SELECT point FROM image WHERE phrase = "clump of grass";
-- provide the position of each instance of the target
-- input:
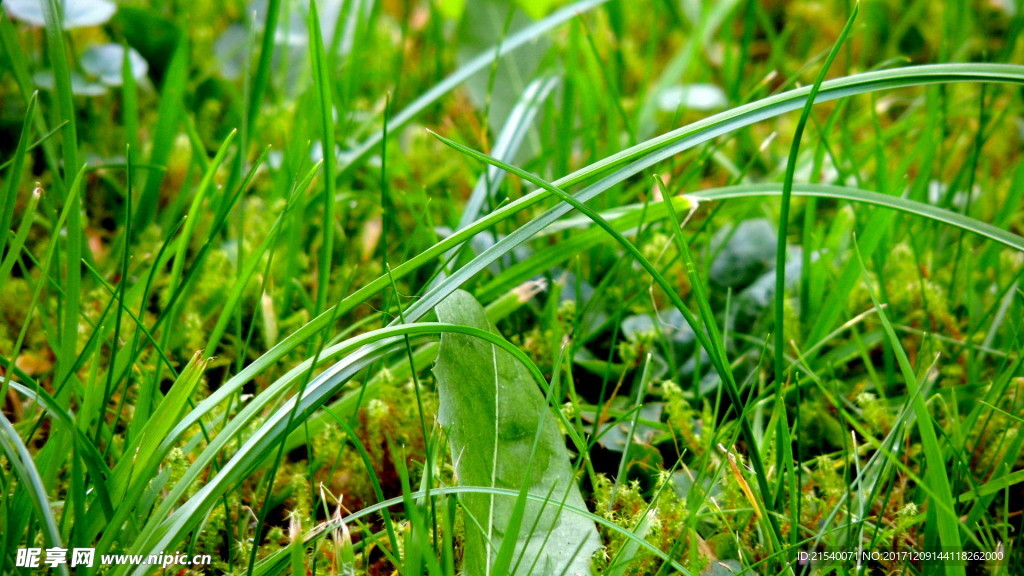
(216, 288)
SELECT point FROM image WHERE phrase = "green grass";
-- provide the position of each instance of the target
(759, 333)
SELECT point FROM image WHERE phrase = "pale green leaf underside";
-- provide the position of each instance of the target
(491, 407)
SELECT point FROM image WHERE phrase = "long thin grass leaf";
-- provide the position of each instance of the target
(947, 525)
(21, 461)
(787, 191)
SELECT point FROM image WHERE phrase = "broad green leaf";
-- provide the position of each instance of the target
(492, 410)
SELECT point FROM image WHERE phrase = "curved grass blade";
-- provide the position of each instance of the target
(628, 217)
(53, 456)
(905, 205)
(25, 470)
(87, 450)
(993, 486)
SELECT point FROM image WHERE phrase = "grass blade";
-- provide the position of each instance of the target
(947, 525)
(787, 191)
